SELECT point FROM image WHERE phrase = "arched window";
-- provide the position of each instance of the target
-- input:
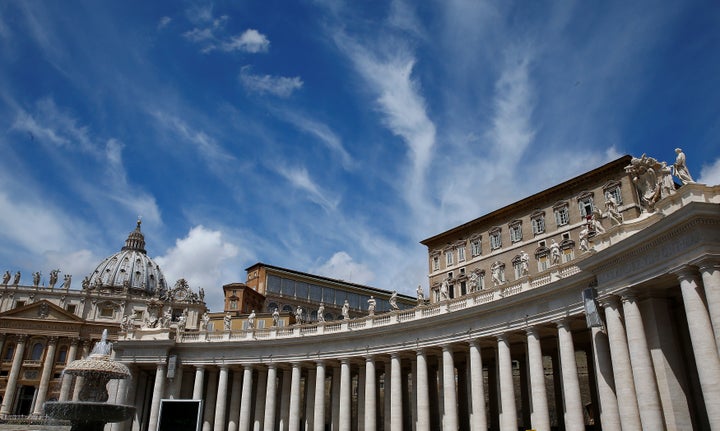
(37, 351)
(9, 351)
(287, 308)
(272, 306)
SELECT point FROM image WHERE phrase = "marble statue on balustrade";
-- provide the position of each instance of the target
(125, 324)
(473, 281)
(182, 321)
(53, 278)
(611, 207)
(166, 318)
(321, 313)
(554, 252)
(420, 295)
(524, 263)
(298, 315)
(371, 306)
(67, 280)
(36, 278)
(16, 280)
(346, 310)
(227, 321)
(496, 270)
(680, 168)
(6, 278)
(594, 221)
(275, 317)
(205, 321)
(393, 301)
(251, 320)
(584, 236)
(445, 289)
(651, 181)
(86, 283)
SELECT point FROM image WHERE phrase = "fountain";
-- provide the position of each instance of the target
(91, 412)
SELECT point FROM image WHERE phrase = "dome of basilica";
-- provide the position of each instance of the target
(130, 268)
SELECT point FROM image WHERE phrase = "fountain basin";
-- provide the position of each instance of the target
(88, 416)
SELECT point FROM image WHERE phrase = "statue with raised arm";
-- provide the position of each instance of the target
(6, 278)
(680, 168)
(53, 278)
(371, 306)
(393, 301)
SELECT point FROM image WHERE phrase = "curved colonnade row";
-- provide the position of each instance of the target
(459, 369)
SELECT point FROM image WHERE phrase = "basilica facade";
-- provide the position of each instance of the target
(594, 304)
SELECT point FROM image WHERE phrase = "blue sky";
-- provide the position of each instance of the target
(326, 136)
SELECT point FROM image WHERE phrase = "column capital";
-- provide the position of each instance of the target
(628, 295)
(474, 343)
(22, 338)
(52, 340)
(447, 348)
(370, 358)
(345, 361)
(609, 301)
(502, 337)
(532, 331)
(563, 323)
(709, 264)
(686, 272)
(200, 367)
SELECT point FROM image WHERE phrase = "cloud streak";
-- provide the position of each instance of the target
(280, 86)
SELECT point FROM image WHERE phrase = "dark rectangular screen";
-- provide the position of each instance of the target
(179, 415)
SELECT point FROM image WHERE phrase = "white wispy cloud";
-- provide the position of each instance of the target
(300, 179)
(710, 174)
(399, 98)
(249, 41)
(164, 22)
(280, 86)
(48, 123)
(342, 266)
(321, 131)
(205, 258)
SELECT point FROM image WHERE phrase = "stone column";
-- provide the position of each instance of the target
(156, 396)
(622, 370)
(11, 386)
(235, 391)
(360, 412)
(508, 411)
(703, 344)
(221, 399)
(294, 419)
(67, 378)
(710, 271)
(246, 399)
(539, 412)
(369, 406)
(319, 414)
(574, 420)
(450, 419)
(643, 371)
(210, 401)
(345, 407)
(335, 400)
(80, 379)
(270, 398)
(423, 399)
(609, 414)
(310, 400)
(198, 383)
(284, 391)
(396, 413)
(45, 376)
(478, 417)
(260, 399)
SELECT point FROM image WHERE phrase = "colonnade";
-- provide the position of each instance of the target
(635, 378)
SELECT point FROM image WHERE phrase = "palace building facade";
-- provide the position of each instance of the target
(594, 304)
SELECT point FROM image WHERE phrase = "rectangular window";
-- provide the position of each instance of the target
(518, 270)
(288, 287)
(516, 233)
(273, 283)
(562, 216)
(448, 258)
(481, 281)
(543, 263)
(19, 304)
(70, 308)
(476, 248)
(495, 240)
(107, 311)
(586, 206)
(461, 254)
(436, 263)
(615, 193)
(568, 255)
(315, 293)
(301, 290)
(538, 224)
